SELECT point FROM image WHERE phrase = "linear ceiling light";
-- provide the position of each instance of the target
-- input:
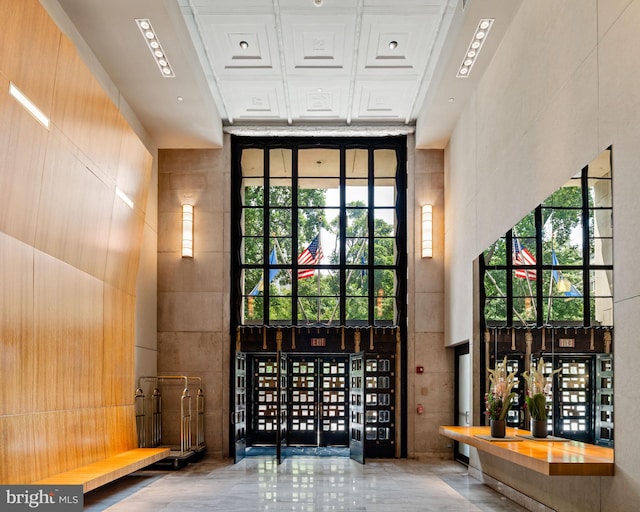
(154, 46)
(29, 105)
(482, 31)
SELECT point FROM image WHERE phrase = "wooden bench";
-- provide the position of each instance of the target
(549, 456)
(107, 470)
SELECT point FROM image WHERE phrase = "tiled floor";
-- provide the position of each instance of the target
(301, 484)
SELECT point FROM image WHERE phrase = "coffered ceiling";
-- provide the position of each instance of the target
(304, 65)
(345, 60)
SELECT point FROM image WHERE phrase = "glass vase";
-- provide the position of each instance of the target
(539, 428)
(498, 428)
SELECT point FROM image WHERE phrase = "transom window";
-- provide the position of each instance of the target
(320, 231)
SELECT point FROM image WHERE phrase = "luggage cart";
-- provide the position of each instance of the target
(150, 417)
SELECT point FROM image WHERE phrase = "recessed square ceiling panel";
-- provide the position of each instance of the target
(402, 44)
(318, 44)
(384, 101)
(203, 7)
(319, 100)
(245, 100)
(234, 46)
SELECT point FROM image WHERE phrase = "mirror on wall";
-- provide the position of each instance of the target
(547, 293)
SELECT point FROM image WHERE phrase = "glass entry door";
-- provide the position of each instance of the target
(317, 401)
(299, 401)
(303, 402)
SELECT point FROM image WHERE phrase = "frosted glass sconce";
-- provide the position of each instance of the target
(187, 231)
(427, 231)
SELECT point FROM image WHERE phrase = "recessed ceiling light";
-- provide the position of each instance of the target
(180, 98)
(317, 3)
(244, 45)
(451, 100)
(478, 39)
(393, 44)
(154, 46)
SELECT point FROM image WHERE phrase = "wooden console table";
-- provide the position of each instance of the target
(548, 456)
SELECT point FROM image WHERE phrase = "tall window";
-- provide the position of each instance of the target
(320, 228)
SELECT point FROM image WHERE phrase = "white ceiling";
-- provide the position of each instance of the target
(306, 67)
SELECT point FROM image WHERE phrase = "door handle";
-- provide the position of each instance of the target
(466, 417)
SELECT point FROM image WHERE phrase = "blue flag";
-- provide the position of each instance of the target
(562, 283)
(273, 272)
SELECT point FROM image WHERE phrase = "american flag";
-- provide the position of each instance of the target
(310, 256)
(521, 256)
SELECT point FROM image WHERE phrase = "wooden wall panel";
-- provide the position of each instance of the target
(84, 113)
(35, 446)
(119, 347)
(134, 169)
(18, 444)
(120, 424)
(68, 336)
(16, 326)
(29, 42)
(79, 231)
(22, 150)
(125, 241)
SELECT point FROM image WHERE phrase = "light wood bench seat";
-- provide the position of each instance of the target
(107, 470)
(547, 456)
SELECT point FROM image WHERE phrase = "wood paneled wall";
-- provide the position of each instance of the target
(69, 252)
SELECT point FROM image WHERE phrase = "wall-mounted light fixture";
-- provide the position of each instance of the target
(427, 231)
(187, 231)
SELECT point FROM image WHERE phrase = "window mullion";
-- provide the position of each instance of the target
(370, 235)
(294, 235)
(265, 236)
(343, 234)
(586, 284)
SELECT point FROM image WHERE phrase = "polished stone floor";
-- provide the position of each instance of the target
(309, 484)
